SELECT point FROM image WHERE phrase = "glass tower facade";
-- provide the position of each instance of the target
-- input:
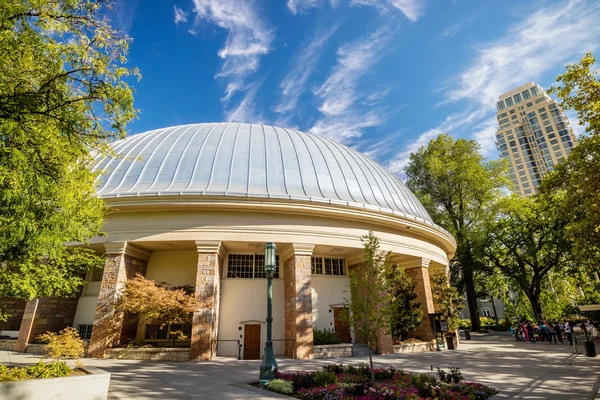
(533, 134)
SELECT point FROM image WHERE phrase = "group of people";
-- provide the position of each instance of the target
(555, 332)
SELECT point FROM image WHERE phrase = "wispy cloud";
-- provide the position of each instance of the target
(539, 43)
(542, 41)
(294, 83)
(412, 9)
(180, 15)
(248, 39)
(453, 122)
(245, 111)
(453, 29)
(342, 116)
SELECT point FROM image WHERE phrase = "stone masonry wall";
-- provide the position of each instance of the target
(108, 324)
(332, 351)
(420, 276)
(205, 320)
(298, 306)
(15, 308)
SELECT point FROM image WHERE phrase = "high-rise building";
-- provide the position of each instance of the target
(533, 134)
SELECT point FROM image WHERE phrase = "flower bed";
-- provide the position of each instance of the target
(354, 382)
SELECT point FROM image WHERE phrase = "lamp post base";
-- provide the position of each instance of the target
(268, 368)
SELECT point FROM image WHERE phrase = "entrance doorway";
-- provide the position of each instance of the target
(252, 342)
(341, 327)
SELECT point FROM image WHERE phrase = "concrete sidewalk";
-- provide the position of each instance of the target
(519, 370)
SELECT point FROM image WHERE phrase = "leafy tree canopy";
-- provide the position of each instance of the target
(459, 190)
(63, 93)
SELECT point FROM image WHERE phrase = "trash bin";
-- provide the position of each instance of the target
(467, 334)
(451, 341)
(590, 348)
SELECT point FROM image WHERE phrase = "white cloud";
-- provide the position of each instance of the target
(412, 9)
(180, 15)
(452, 122)
(245, 111)
(248, 38)
(342, 117)
(294, 83)
(541, 42)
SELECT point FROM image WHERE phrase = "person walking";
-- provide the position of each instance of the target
(559, 332)
(584, 330)
(525, 331)
(551, 332)
(544, 336)
(530, 332)
(569, 330)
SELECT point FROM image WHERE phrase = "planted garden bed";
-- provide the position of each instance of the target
(354, 382)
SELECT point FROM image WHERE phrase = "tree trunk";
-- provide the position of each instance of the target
(371, 364)
(535, 305)
(471, 297)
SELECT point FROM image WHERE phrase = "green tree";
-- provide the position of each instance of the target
(368, 305)
(527, 243)
(404, 313)
(447, 299)
(576, 179)
(460, 190)
(63, 94)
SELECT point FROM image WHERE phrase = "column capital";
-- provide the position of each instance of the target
(119, 248)
(419, 262)
(211, 246)
(297, 249)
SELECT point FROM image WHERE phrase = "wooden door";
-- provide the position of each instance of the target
(252, 342)
(342, 329)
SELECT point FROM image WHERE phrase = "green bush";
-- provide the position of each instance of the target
(464, 324)
(40, 370)
(280, 386)
(325, 336)
(325, 378)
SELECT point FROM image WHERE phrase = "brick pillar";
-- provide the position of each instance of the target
(385, 344)
(205, 323)
(418, 271)
(27, 323)
(123, 262)
(298, 300)
(15, 308)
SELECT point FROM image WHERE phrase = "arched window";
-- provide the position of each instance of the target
(486, 312)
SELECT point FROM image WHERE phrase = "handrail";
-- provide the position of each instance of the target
(239, 346)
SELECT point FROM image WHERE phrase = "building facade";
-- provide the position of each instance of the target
(194, 205)
(533, 134)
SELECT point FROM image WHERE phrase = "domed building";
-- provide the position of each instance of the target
(194, 205)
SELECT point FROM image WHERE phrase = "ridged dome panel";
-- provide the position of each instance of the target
(232, 159)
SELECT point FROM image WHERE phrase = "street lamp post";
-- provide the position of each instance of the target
(268, 368)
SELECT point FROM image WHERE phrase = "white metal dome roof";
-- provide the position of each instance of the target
(233, 159)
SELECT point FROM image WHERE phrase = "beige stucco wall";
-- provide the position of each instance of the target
(245, 300)
(86, 311)
(177, 268)
(327, 291)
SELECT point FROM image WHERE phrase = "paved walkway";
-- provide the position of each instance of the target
(518, 370)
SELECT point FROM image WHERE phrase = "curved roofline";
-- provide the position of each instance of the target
(396, 220)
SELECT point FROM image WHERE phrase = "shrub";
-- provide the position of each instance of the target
(65, 344)
(40, 370)
(325, 378)
(452, 376)
(325, 336)
(280, 386)
(300, 379)
(464, 324)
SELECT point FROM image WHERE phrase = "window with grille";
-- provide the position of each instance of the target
(249, 266)
(328, 266)
(85, 331)
(97, 274)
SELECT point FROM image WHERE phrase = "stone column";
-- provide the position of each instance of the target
(205, 322)
(385, 344)
(26, 325)
(298, 323)
(123, 262)
(418, 271)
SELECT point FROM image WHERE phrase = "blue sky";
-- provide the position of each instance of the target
(382, 76)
